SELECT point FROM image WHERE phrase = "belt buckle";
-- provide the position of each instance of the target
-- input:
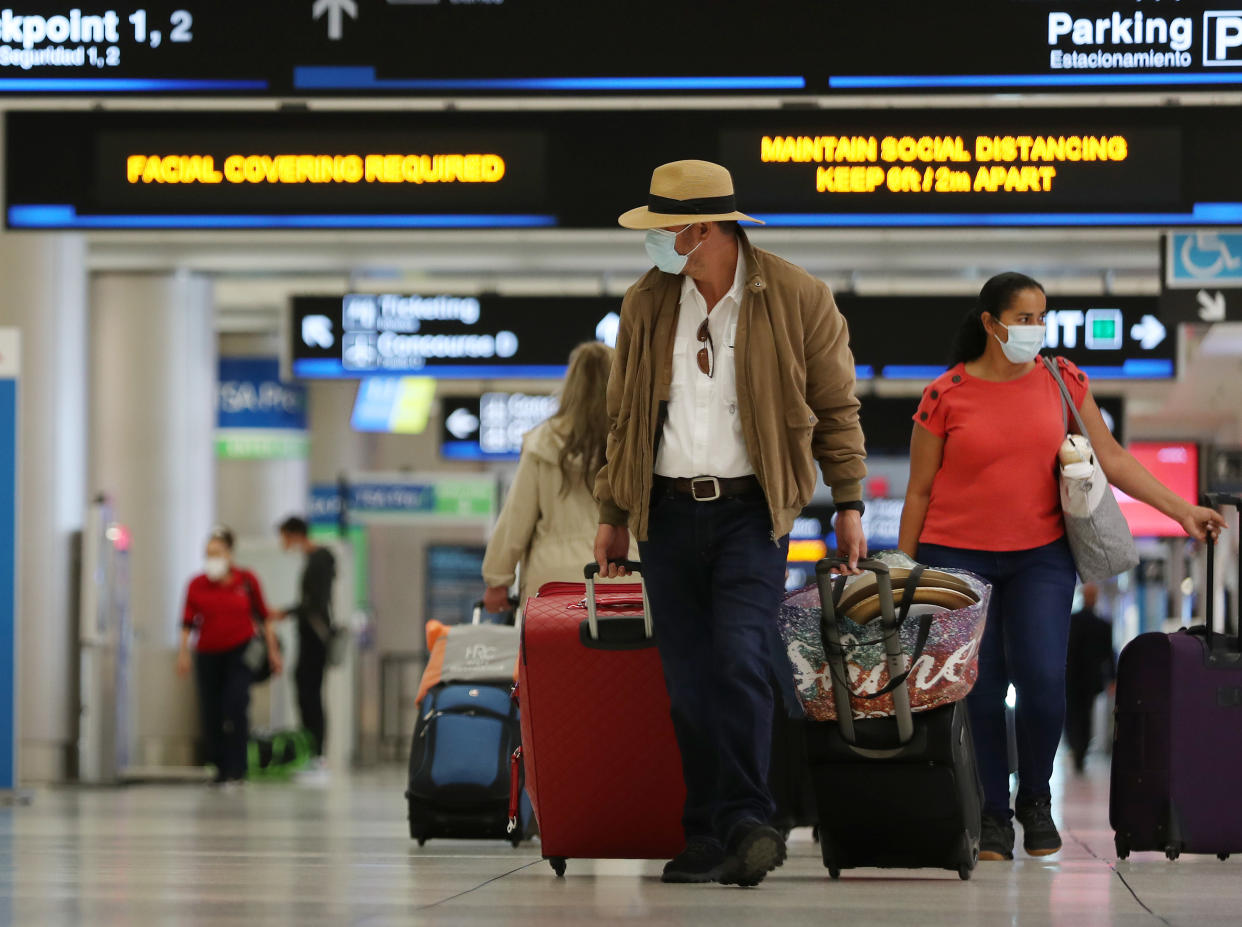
(712, 481)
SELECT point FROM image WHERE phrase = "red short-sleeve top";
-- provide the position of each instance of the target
(996, 488)
(224, 612)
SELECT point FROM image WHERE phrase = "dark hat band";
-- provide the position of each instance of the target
(703, 206)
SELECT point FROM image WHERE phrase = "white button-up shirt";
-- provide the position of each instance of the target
(703, 431)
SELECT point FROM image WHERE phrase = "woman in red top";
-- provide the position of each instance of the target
(222, 605)
(984, 497)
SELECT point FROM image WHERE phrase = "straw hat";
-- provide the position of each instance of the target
(683, 192)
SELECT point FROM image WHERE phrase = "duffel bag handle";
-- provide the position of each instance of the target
(835, 653)
(590, 571)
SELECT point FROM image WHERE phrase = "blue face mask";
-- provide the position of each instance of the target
(661, 248)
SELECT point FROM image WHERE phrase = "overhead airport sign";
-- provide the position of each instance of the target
(259, 417)
(385, 334)
(1203, 259)
(1109, 337)
(1203, 306)
(831, 168)
(491, 426)
(405, 498)
(337, 47)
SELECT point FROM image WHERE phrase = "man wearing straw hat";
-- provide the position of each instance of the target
(732, 377)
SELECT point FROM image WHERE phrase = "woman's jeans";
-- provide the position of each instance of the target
(224, 704)
(1024, 644)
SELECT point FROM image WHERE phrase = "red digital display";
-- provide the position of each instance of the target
(1176, 465)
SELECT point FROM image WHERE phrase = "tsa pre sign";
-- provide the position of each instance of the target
(259, 417)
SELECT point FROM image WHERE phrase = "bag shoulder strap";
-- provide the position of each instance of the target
(256, 614)
(1067, 401)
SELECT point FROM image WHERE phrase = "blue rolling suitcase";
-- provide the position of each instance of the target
(460, 764)
(465, 763)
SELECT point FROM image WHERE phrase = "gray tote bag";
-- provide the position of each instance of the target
(1097, 532)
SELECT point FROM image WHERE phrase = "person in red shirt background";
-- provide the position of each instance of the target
(984, 496)
(223, 605)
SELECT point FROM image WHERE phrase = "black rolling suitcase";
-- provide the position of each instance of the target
(1177, 738)
(893, 792)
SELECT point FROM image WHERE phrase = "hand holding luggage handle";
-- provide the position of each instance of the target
(590, 571)
(897, 672)
(476, 614)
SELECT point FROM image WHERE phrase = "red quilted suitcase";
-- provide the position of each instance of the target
(602, 766)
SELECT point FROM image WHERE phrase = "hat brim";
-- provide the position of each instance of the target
(643, 218)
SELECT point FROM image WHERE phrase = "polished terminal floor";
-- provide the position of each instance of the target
(304, 855)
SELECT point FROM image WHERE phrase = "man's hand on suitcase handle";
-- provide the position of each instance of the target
(612, 542)
(851, 541)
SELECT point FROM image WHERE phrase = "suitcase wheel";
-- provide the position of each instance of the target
(1172, 852)
(422, 841)
(516, 840)
(964, 871)
(1222, 856)
(558, 865)
(1122, 844)
(834, 872)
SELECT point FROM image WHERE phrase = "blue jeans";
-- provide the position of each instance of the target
(224, 706)
(715, 580)
(1024, 644)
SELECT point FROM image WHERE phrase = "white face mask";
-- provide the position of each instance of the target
(216, 568)
(661, 247)
(1025, 342)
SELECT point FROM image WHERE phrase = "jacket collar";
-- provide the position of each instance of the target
(754, 277)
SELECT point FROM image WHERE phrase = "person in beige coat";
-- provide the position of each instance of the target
(549, 518)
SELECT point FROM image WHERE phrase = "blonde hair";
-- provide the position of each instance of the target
(584, 412)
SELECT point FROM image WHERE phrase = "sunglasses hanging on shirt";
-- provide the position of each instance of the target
(707, 353)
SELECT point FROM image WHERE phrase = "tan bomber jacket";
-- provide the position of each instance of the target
(795, 391)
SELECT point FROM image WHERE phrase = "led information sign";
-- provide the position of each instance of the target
(452, 47)
(368, 334)
(1058, 167)
(491, 426)
(1028, 167)
(1109, 337)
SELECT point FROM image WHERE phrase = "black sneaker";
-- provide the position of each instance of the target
(996, 841)
(698, 862)
(754, 850)
(1039, 833)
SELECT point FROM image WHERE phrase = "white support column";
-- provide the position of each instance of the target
(153, 420)
(44, 295)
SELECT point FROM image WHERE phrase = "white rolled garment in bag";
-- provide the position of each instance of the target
(1083, 483)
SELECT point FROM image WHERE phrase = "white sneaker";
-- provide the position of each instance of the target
(315, 772)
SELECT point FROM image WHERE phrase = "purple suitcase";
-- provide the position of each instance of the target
(1177, 747)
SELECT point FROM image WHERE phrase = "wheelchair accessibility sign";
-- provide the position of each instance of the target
(1194, 259)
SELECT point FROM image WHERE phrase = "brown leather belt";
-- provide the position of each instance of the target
(709, 488)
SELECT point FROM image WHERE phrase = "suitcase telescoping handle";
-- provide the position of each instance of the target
(835, 653)
(1215, 500)
(590, 571)
(476, 614)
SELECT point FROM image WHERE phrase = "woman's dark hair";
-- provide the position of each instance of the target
(996, 296)
(223, 534)
(294, 526)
